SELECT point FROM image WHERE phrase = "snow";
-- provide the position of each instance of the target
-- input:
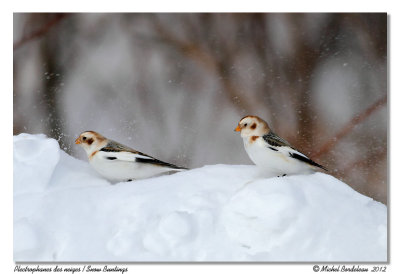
(64, 211)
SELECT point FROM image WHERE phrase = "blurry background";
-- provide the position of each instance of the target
(175, 85)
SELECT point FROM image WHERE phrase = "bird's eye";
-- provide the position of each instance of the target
(83, 138)
(245, 125)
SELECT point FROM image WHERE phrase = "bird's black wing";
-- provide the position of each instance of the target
(275, 141)
(113, 146)
(157, 162)
(306, 160)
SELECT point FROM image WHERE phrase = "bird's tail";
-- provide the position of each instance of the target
(160, 163)
(178, 168)
(307, 160)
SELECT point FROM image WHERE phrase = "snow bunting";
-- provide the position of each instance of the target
(270, 152)
(117, 162)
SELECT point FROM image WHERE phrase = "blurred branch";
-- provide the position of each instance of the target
(40, 32)
(364, 162)
(372, 28)
(188, 49)
(349, 127)
(209, 62)
(302, 66)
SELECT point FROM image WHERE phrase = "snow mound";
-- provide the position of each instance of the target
(63, 211)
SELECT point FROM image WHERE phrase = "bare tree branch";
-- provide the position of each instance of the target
(40, 32)
(208, 61)
(349, 127)
(363, 162)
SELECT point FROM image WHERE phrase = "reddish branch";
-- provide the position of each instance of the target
(355, 121)
(43, 30)
(363, 162)
(207, 60)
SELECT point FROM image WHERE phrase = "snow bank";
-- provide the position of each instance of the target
(63, 211)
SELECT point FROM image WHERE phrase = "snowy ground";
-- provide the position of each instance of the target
(63, 211)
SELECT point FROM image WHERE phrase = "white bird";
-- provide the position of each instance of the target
(271, 153)
(117, 162)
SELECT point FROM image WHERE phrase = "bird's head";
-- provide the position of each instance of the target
(90, 141)
(252, 126)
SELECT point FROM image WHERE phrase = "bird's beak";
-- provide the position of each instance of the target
(78, 141)
(238, 128)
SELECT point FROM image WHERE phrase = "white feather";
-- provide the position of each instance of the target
(122, 155)
(120, 165)
(274, 162)
(124, 167)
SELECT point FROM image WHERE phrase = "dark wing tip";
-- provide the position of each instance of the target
(116, 147)
(157, 162)
(306, 160)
